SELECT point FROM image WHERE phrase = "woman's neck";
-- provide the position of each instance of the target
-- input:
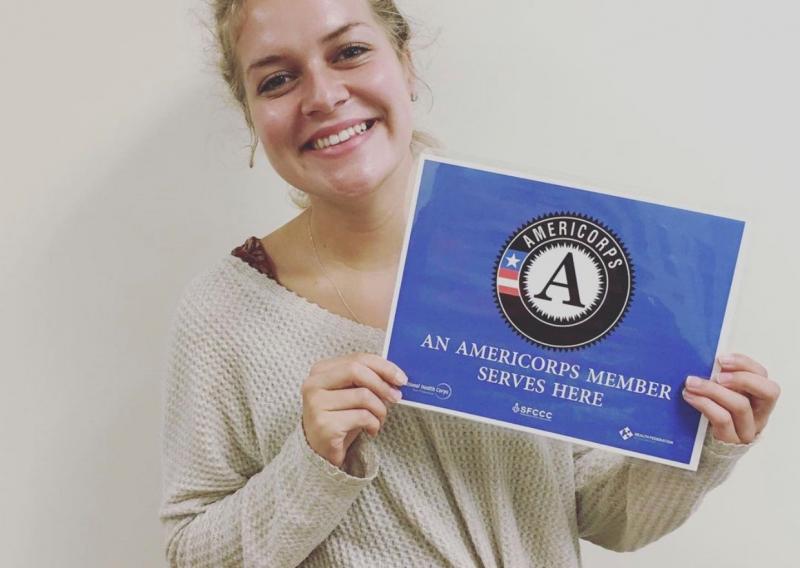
(364, 235)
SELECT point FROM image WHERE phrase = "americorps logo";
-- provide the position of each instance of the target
(563, 281)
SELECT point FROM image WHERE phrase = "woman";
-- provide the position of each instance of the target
(278, 408)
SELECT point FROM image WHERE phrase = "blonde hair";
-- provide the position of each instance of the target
(228, 18)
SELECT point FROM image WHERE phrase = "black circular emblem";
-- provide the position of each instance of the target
(563, 280)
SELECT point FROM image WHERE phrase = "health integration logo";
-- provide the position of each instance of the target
(563, 281)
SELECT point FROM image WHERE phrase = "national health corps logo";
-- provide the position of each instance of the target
(563, 281)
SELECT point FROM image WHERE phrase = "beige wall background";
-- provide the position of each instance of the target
(124, 172)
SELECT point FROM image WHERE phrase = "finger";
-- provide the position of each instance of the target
(351, 436)
(349, 374)
(736, 404)
(349, 399)
(384, 368)
(739, 362)
(763, 391)
(357, 419)
(719, 418)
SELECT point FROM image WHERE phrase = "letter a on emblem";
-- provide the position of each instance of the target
(568, 264)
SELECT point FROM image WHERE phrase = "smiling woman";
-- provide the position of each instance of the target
(279, 409)
(312, 71)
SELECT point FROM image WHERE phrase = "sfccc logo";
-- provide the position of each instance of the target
(563, 281)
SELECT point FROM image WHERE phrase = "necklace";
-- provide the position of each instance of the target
(325, 272)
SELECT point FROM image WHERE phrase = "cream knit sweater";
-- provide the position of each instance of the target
(243, 488)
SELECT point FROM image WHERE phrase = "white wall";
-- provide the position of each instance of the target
(124, 173)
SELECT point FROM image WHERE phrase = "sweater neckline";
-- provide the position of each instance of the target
(292, 297)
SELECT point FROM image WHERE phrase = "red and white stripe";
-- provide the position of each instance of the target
(508, 282)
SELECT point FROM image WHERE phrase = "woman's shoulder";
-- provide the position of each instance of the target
(225, 287)
(281, 252)
(247, 278)
(254, 252)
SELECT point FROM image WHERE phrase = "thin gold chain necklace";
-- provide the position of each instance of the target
(325, 272)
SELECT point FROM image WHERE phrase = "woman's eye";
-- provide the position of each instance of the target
(351, 51)
(273, 83)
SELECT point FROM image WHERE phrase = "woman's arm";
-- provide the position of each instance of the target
(624, 503)
(223, 505)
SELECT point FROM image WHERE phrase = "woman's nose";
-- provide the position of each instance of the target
(325, 91)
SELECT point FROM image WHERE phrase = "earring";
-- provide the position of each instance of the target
(414, 97)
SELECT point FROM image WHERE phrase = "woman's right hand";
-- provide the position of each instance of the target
(345, 395)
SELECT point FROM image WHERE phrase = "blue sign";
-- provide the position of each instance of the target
(570, 313)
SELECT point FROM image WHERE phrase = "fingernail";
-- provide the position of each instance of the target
(694, 382)
(402, 378)
(396, 395)
(725, 378)
(726, 360)
(686, 394)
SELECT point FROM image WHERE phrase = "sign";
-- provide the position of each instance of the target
(564, 311)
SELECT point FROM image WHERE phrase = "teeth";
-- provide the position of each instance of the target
(343, 136)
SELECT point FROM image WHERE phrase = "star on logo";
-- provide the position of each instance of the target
(512, 261)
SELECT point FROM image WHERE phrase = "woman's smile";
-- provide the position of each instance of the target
(341, 139)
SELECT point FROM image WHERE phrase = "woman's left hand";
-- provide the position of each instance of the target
(739, 404)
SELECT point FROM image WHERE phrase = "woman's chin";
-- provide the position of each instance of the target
(359, 176)
(351, 184)
(350, 190)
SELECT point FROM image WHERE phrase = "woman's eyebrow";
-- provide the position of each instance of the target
(270, 59)
(340, 31)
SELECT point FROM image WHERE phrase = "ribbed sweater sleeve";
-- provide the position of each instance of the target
(625, 503)
(225, 503)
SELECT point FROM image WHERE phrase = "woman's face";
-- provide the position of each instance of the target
(328, 95)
